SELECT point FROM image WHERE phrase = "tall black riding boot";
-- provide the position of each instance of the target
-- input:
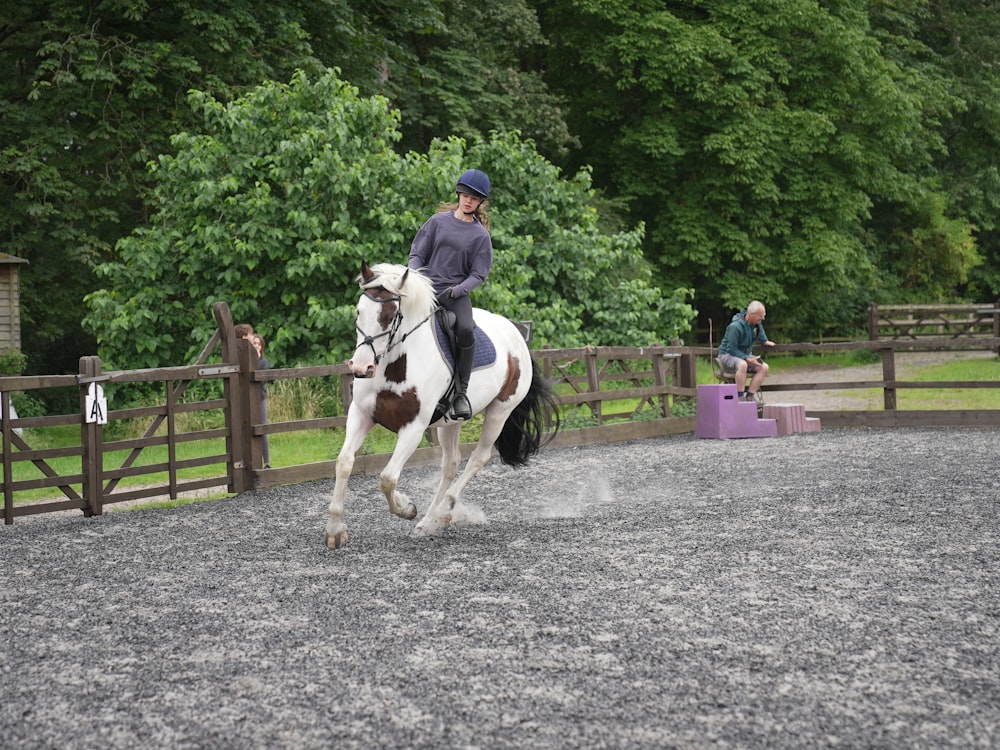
(460, 406)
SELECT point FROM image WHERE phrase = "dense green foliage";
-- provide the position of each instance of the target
(93, 90)
(90, 92)
(964, 38)
(273, 206)
(782, 150)
(817, 155)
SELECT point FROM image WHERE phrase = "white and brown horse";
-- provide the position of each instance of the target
(402, 371)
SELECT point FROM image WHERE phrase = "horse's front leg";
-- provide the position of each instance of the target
(406, 442)
(358, 426)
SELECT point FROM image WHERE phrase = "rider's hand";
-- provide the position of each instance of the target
(445, 295)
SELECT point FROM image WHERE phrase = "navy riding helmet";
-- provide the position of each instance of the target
(475, 183)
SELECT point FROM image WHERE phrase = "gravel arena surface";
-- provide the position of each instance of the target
(831, 589)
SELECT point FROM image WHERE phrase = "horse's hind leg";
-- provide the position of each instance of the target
(441, 512)
(448, 435)
(437, 515)
(482, 454)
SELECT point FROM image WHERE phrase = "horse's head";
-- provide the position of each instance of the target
(390, 294)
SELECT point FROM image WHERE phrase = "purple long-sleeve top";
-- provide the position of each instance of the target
(455, 254)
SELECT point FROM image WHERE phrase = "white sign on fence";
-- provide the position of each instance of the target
(97, 406)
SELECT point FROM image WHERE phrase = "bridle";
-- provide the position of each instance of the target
(393, 328)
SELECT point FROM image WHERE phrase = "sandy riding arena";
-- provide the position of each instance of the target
(838, 589)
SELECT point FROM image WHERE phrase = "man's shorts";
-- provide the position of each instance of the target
(732, 362)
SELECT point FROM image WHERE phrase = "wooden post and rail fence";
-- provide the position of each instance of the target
(921, 322)
(604, 395)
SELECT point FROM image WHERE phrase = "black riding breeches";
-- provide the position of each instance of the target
(462, 307)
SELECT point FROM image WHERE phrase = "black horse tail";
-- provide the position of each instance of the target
(521, 436)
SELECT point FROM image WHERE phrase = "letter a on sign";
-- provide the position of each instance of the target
(97, 405)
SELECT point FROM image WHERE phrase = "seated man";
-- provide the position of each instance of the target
(736, 349)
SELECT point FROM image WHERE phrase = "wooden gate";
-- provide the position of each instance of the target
(915, 322)
(86, 475)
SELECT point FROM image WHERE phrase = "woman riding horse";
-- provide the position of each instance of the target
(401, 375)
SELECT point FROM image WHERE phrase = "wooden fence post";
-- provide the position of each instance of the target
(243, 419)
(169, 408)
(593, 382)
(8, 465)
(889, 374)
(660, 380)
(685, 368)
(547, 377)
(872, 321)
(91, 440)
(235, 423)
(346, 390)
(252, 407)
(996, 323)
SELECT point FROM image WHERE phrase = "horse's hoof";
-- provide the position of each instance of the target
(410, 513)
(336, 541)
(432, 525)
(426, 529)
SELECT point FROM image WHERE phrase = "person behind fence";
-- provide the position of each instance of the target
(242, 330)
(454, 249)
(262, 364)
(736, 349)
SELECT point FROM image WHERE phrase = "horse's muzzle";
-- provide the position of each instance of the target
(365, 373)
(362, 373)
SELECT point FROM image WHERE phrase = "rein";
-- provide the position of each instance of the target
(393, 329)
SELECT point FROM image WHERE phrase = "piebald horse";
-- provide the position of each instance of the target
(403, 369)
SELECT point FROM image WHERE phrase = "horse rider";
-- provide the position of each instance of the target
(454, 249)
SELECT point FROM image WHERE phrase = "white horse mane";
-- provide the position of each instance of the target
(416, 294)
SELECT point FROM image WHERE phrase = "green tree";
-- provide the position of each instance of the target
(282, 193)
(772, 148)
(919, 235)
(471, 74)
(90, 92)
(93, 90)
(556, 265)
(964, 37)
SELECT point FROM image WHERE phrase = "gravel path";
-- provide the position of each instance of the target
(837, 589)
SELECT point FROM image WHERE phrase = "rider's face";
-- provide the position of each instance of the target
(469, 203)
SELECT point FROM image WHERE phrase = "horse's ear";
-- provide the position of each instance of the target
(366, 272)
(403, 278)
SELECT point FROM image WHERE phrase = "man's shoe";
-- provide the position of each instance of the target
(460, 407)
